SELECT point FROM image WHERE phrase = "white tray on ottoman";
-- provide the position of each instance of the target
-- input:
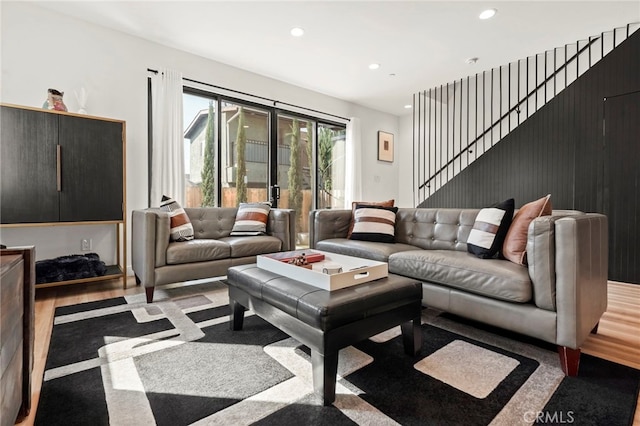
(355, 270)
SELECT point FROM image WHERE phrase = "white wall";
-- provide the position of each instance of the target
(42, 49)
(404, 153)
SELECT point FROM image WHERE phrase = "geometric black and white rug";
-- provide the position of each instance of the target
(176, 362)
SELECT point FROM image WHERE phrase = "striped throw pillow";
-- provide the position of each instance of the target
(251, 219)
(181, 227)
(354, 204)
(374, 223)
(489, 230)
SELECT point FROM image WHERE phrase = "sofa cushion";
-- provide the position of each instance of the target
(435, 229)
(495, 278)
(198, 250)
(251, 219)
(374, 223)
(491, 225)
(212, 222)
(365, 249)
(251, 246)
(515, 243)
(180, 225)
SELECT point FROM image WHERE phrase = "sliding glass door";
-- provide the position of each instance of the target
(331, 166)
(244, 154)
(295, 177)
(200, 150)
(235, 151)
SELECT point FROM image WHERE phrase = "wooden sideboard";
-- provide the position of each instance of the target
(17, 269)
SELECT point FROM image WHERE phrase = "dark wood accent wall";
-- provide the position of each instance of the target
(560, 150)
(622, 182)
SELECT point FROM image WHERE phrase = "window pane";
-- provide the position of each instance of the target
(237, 168)
(331, 166)
(295, 162)
(200, 150)
(245, 154)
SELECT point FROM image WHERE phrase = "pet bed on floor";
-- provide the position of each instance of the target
(72, 267)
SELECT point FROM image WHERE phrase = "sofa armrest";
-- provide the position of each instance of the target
(328, 223)
(581, 276)
(149, 241)
(282, 224)
(541, 257)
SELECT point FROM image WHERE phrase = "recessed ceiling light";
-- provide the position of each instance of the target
(374, 66)
(489, 13)
(471, 61)
(297, 32)
(392, 74)
(408, 106)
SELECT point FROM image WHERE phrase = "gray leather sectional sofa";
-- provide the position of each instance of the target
(156, 260)
(558, 298)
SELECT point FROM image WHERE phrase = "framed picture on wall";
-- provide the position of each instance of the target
(385, 146)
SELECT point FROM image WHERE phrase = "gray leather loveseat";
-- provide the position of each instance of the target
(157, 260)
(558, 298)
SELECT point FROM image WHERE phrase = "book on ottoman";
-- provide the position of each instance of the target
(290, 256)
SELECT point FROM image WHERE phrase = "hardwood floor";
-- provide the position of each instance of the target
(618, 337)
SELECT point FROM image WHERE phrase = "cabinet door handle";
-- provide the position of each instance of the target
(59, 167)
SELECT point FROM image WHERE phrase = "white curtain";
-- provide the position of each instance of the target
(353, 184)
(167, 160)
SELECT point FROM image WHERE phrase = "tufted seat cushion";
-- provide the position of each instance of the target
(493, 278)
(197, 250)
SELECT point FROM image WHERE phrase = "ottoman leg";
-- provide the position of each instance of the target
(412, 336)
(325, 368)
(237, 315)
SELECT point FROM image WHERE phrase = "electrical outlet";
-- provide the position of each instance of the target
(86, 244)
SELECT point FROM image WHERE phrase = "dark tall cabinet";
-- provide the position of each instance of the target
(62, 168)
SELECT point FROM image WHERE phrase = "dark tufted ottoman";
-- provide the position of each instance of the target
(327, 321)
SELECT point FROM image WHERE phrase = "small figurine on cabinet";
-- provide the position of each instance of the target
(54, 100)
